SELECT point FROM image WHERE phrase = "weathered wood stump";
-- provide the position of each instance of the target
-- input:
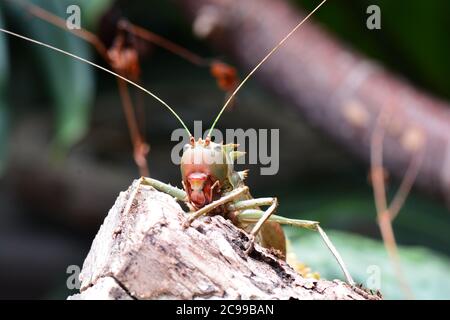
(142, 252)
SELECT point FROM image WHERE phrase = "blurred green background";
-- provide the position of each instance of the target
(65, 153)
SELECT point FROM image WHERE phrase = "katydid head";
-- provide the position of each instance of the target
(205, 169)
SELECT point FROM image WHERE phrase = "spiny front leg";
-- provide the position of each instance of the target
(252, 215)
(173, 191)
(227, 198)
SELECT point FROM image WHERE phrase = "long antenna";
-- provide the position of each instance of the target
(101, 68)
(260, 63)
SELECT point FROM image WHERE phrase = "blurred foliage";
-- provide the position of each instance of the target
(426, 271)
(70, 82)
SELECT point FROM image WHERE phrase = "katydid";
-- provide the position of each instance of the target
(211, 186)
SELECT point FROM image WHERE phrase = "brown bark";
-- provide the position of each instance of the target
(336, 89)
(142, 252)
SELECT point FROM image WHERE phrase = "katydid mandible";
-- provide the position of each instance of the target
(212, 186)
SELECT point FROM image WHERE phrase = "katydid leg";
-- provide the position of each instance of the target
(173, 191)
(227, 198)
(253, 215)
(250, 205)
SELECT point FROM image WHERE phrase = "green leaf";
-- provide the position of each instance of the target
(426, 271)
(4, 114)
(70, 82)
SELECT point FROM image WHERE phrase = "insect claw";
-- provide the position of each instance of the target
(186, 223)
(250, 245)
(243, 174)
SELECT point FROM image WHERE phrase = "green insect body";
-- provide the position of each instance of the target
(207, 170)
(212, 186)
